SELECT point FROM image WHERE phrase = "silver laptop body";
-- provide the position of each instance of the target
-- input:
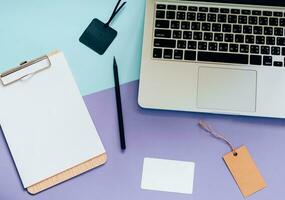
(213, 57)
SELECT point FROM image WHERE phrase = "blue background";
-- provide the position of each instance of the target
(29, 29)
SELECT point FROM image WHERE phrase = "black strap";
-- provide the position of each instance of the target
(115, 12)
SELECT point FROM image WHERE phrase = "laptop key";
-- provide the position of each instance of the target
(227, 28)
(267, 60)
(270, 40)
(275, 50)
(192, 45)
(212, 17)
(206, 26)
(282, 21)
(252, 20)
(192, 8)
(273, 21)
(257, 30)
(283, 51)
(223, 46)
(167, 53)
(246, 12)
(263, 20)
(260, 40)
(214, 10)
(256, 12)
(171, 7)
(213, 46)
(278, 31)
(237, 28)
(208, 36)
(163, 33)
(267, 13)
(242, 19)
(162, 24)
(177, 34)
(268, 31)
(165, 43)
(189, 55)
(255, 60)
(181, 44)
(157, 53)
(191, 16)
(202, 45)
(218, 37)
(222, 18)
(280, 41)
(170, 15)
(239, 38)
(160, 14)
(244, 48)
(185, 25)
(182, 7)
(187, 35)
(254, 49)
(201, 17)
(222, 57)
(196, 26)
(178, 54)
(216, 27)
(232, 19)
(225, 10)
(175, 24)
(249, 39)
(278, 14)
(265, 50)
(233, 47)
(247, 29)
(203, 9)
(197, 35)
(161, 6)
(181, 15)
(235, 11)
(229, 37)
(278, 64)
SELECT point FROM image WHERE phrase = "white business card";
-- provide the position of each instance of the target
(168, 175)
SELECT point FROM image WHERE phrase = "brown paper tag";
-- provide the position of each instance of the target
(244, 171)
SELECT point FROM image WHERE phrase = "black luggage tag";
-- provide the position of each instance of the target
(98, 36)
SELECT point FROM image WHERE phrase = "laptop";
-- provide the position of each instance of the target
(214, 56)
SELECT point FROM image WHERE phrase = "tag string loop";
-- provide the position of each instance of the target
(115, 12)
(205, 126)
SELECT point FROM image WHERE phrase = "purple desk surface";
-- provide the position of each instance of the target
(162, 134)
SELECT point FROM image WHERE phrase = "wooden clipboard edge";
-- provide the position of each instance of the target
(68, 174)
(53, 53)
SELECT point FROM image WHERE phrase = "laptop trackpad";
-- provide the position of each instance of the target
(227, 89)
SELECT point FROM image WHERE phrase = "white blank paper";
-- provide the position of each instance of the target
(168, 175)
(46, 123)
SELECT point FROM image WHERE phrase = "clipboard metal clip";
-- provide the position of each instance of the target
(24, 70)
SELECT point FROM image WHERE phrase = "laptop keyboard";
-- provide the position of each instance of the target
(213, 34)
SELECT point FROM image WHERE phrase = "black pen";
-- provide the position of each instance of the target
(119, 106)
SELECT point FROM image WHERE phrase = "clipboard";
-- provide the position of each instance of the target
(24, 90)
